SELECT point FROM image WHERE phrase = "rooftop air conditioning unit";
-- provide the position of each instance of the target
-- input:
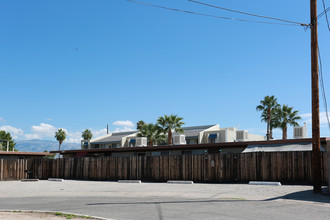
(242, 135)
(300, 132)
(141, 141)
(179, 139)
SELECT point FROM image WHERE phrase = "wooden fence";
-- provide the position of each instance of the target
(13, 169)
(286, 167)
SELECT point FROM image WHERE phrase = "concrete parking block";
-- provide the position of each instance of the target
(55, 179)
(29, 180)
(129, 181)
(179, 182)
(265, 183)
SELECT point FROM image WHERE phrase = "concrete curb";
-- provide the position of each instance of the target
(129, 181)
(179, 182)
(55, 179)
(265, 183)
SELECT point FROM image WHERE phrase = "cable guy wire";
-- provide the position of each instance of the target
(323, 90)
(326, 15)
(246, 13)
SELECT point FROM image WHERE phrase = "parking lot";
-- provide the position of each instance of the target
(114, 200)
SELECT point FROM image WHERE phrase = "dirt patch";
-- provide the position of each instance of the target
(20, 215)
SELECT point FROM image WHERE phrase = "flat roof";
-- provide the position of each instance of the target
(25, 153)
(307, 146)
(192, 146)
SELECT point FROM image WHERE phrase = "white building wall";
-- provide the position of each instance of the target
(202, 138)
(255, 137)
(125, 140)
(223, 135)
(84, 146)
(230, 134)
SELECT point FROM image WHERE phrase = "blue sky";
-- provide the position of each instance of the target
(84, 64)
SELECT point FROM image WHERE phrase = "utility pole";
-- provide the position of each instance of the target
(316, 154)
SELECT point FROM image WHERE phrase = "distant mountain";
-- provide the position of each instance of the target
(42, 145)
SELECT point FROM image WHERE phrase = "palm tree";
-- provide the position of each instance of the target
(139, 124)
(87, 134)
(272, 120)
(169, 123)
(267, 107)
(286, 116)
(60, 136)
(152, 132)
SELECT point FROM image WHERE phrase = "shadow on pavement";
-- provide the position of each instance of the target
(306, 195)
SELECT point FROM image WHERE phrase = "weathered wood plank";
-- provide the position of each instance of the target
(286, 167)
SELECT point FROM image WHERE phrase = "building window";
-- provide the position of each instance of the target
(212, 140)
(132, 143)
(192, 141)
(115, 145)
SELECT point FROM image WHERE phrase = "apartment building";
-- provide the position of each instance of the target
(191, 135)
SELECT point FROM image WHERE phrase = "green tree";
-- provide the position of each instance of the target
(169, 123)
(49, 156)
(267, 107)
(285, 116)
(152, 132)
(4, 136)
(60, 136)
(87, 134)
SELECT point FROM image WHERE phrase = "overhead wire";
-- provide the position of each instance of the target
(323, 89)
(246, 13)
(326, 15)
(209, 15)
(321, 14)
(292, 23)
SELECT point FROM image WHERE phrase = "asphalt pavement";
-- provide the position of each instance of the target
(114, 200)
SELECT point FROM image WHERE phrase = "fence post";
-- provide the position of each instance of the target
(1, 169)
(328, 160)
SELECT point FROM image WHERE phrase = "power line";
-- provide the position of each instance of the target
(213, 16)
(323, 90)
(250, 14)
(323, 13)
(326, 15)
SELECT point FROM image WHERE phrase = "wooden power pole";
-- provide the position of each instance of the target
(316, 154)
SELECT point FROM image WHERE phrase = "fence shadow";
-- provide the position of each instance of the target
(307, 196)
